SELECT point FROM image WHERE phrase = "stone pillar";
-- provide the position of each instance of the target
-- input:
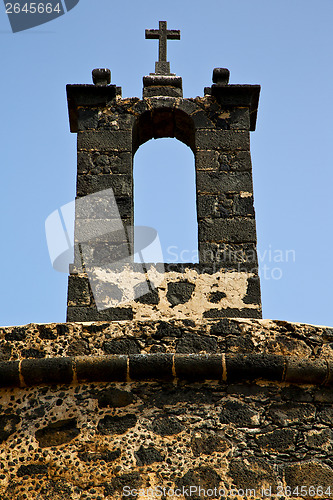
(226, 217)
(104, 162)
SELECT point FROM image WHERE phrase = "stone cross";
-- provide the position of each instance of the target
(162, 35)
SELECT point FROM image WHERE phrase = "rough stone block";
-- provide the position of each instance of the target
(227, 230)
(212, 254)
(206, 205)
(239, 96)
(108, 163)
(102, 140)
(179, 292)
(150, 367)
(115, 121)
(148, 456)
(110, 254)
(225, 253)
(106, 253)
(104, 207)
(309, 474)
(243, 206)
(229, 312)
(55, 434)
(9, 423)
(115, 398)
(116, 314)
(258, 476)
(166, 91)
(216, 297)
(313, 371)
(188, 106)
(122, 163)
(323, 395)
(99, 230)
(120, 183)
(222, 182)
(78, 291)
(122, 345)
(201, 120)
(207, 444)
(116, 424)
(227, 118)
(87, 118)
(319, 439)
(240, 118)
(9, 374)
(90, 95)
(190, 344)
(47, 371)
(227, 140)
(239, 160)
(238, 414)
(225, 327)
(214, 205)
(242, 367)
(207, 160)
(253, 295)
(290, 413)
(104, 369)
(198, 367)
(329, 380)
(143, 297)
(91, 314)
(167, 425)
(159, 103)
(84, 163)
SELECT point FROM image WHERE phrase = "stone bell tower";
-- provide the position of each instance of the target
(110, 129)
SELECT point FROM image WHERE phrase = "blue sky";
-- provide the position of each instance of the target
(285, 46)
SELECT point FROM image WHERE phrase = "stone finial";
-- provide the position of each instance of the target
(101, 77)
(221, 76)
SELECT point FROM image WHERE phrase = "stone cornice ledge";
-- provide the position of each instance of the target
(226, 368)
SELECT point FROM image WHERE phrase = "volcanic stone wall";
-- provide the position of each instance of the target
(104, 410)
(192, 291)
(217, 129)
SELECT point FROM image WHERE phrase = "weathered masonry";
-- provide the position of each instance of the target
(170, 391)
(87, 409)
(217, 128)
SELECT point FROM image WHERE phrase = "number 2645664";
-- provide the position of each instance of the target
(33, 8)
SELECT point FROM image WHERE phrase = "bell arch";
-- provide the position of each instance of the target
(162, 122)
(165, 197)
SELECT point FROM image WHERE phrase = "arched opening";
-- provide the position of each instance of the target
(163, 122)
(165, 197)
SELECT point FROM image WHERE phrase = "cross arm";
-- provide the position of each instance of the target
(155, 34)
(152, 34)
(173, 34)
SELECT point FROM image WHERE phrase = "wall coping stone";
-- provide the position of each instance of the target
(225, 367)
